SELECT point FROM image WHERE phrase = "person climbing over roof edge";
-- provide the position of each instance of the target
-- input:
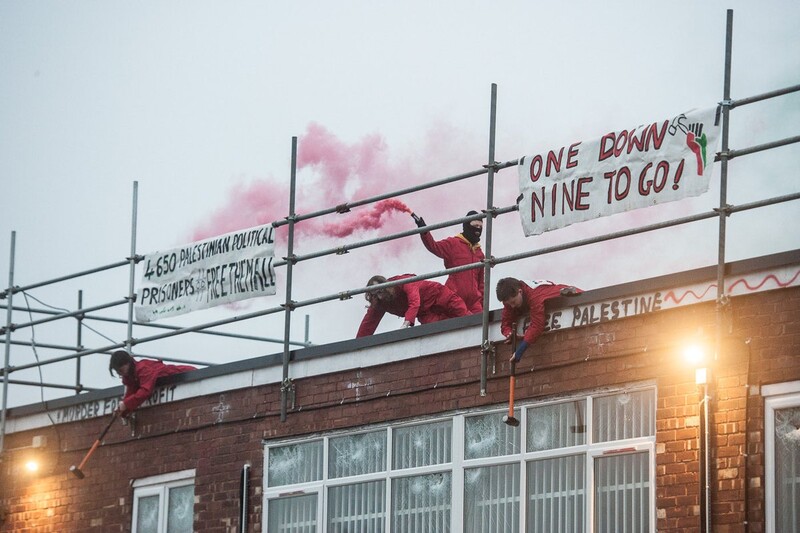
(526, 299)
(139, 378)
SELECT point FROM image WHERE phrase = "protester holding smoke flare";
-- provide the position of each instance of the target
(459, 250)
(426, 301)
(525, 300)
(139, 378)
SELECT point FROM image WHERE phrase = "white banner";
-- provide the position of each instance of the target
(219, 270)
(623, 170)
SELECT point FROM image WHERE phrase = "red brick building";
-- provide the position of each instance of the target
(391, 432)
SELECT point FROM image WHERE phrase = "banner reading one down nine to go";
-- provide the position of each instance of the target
(224, 269)
(623, 170)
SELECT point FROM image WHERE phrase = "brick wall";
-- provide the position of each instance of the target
(219, 433)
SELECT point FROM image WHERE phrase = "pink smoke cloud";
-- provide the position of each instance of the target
(335, 172)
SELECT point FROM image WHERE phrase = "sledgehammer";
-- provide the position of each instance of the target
(78, 470)
(512, 381)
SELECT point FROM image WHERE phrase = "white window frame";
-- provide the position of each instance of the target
(459, 464)
(159, 486)
(776, 397)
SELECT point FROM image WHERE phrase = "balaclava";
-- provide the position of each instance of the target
(471, 233)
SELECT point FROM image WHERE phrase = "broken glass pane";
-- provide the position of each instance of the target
(625, 415)
(295, 463)
(787, 469)
(147, 515)
(489, 436)
(352, 455)
(491, 499)
(421, 504)
(180, 514)
(556, 426)
(422, 445)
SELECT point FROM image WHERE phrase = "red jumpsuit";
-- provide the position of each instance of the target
(140, 383)
(426, 301)
(458, 251)
(533, 299)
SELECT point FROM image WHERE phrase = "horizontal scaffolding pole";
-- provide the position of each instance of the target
(416, 231)
(78, 388)
(757, 148)
(151, 325)
(764, 96)
(343, 208)
(644, 229)
(16, 289)
(59, 316)
(44, 345)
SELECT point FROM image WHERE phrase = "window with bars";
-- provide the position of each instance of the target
(579, 465)
(164, 503)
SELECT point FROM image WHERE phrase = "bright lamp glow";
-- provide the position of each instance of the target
(694, 355)
(32, 466)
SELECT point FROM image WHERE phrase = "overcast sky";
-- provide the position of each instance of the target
(197, 101)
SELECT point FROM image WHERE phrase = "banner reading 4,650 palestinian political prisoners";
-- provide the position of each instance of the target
(215, 271)
(623, 170)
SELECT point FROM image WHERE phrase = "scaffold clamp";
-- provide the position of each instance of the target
(726, 210)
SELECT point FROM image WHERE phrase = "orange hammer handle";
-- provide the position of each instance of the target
(512, 381)
(89, 454)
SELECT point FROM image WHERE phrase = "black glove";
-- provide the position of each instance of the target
(419, 220)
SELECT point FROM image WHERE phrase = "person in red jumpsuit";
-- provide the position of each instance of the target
(139, 378)
(425, 301)
(525, 300)
(462, 249)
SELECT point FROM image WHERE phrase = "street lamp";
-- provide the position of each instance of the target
(695, 355)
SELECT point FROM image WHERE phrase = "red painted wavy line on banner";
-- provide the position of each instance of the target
(678, 299)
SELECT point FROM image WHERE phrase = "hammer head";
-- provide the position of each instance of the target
(76, 472)
(510, 420)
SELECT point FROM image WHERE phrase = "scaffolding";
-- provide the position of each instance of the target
(487, 173)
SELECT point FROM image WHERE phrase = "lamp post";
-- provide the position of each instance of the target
(695, 355)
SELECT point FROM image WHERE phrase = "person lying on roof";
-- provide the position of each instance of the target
(139, 378)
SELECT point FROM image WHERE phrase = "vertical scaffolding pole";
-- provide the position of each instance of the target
(487, 267)
(286, 383)
(722, 299)
(79, 345)
(723, 186)
(132, 261)
(8, 339)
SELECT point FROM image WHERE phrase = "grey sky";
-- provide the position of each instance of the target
(193, 98)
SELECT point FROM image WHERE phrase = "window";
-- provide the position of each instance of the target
(582, 465)
(164, 504)
(782, 432)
